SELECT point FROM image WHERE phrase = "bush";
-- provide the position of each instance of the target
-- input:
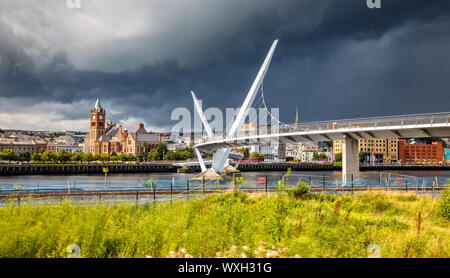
(444, 204)
(299, 191)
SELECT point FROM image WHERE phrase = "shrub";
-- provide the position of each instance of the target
(300, 191)
(444, 204)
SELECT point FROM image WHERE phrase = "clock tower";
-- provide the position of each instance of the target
(97, 128)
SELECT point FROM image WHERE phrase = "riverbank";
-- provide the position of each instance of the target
(72, 169)
(234, 225)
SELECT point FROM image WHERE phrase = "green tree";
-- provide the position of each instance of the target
(114, 158)
(130, 157)
(88, 157)
(245, 152)
(162, 150)
(338, 157)
(256, 155)
(42, 150)
(315, 156)
(96, 157)
(362, 157)
(36, 157)
(123, 157)
(49, 156)
(64, 156)
(25, 157)
(153, 155)
(78, 157)
(9, 155)
(105, 157)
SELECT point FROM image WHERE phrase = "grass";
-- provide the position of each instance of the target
(233, 224)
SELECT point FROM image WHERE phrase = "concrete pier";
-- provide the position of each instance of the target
(350, 159)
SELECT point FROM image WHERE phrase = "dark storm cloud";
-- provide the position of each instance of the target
(336, 59)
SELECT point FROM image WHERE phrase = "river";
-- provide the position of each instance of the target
(164, 180)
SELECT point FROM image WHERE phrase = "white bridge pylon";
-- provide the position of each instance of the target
(220, 157)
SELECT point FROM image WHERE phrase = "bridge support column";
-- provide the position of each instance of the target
(350, 159)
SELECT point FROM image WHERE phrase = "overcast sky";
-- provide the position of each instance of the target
(335, 59)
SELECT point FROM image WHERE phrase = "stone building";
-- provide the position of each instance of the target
(107, 137)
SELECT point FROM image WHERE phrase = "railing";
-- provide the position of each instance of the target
(346, 124)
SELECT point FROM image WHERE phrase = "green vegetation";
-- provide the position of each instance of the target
(317, 156)
(234, 224)
(256, 155)
(338, 157)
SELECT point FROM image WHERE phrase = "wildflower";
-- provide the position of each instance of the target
(243, 255)
(245, 248)
(187, 256)
(148, 256)
(182, 250)
(297, 256)
(234, 248)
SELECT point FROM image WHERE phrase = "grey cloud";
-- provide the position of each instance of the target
(335, 59)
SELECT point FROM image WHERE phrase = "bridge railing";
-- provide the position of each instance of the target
(346, 124)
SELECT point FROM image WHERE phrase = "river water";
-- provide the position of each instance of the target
(319, 179)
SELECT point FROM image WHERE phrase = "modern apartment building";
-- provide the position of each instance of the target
(374, 150)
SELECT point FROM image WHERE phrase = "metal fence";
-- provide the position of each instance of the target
(169, 190)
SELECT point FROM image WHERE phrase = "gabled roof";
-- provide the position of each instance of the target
(152, 137)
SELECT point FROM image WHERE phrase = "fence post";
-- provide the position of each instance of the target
(352, 183)
(187, 190)
(234, 181)
(154, 193)
(309, 182)
(265, 184)
(203, 185)
(171, 191)
(323, 181)
(406, 185)
(137, 197)
(100, 198)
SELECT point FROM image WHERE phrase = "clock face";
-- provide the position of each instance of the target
(93, 117)
(100, 117)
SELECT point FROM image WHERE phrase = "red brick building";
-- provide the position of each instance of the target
(420, 153)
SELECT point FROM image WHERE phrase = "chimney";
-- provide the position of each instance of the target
(141, 125)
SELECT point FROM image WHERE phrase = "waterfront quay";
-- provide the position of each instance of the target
(71, 169)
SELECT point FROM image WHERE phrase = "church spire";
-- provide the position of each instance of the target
(296, 124)
(98, 106)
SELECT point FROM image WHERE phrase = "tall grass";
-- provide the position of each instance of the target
(232, 224)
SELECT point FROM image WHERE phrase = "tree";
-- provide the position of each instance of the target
(162, 150)
(105, 157)
(338, 157)
(315, 156)
(362, 157)
(63, 156)
(78, 157)
(114, 158)
(123, 157)
(88, 157)
(25, 157)
(49, 156)
(153, 155)
(256, 155)
(131, 157)
(42, 150)
(36, 157)
(96, 157)
(9, 155)
(245, 152)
